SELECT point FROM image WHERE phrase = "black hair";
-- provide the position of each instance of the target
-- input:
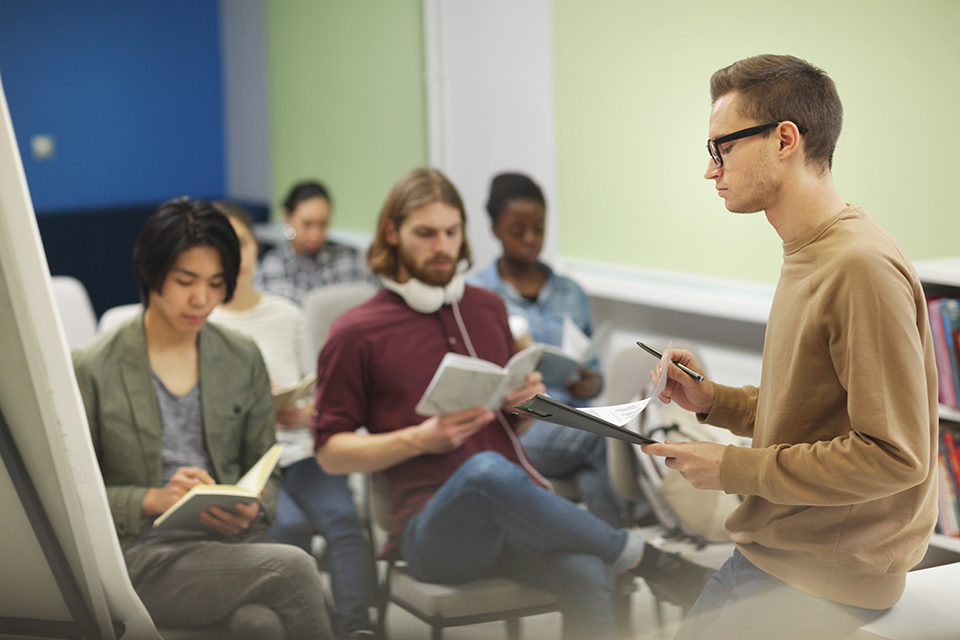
(303, 191)
(507, 187)
(177, 226)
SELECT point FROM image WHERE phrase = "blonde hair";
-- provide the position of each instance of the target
(415, 190)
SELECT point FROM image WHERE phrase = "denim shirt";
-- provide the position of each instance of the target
(559, 296)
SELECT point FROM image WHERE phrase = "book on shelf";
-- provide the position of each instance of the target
(944, 372)
(944, 315)
(950, 314)
(289, 395)
(948, 468)
(948, 521)
(577, 350)
(185, 512)
(461, 382)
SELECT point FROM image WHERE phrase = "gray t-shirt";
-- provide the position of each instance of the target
(181, 421)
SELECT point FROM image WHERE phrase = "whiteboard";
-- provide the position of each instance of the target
(41, 404)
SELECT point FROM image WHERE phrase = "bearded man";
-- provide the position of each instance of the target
(466, 503)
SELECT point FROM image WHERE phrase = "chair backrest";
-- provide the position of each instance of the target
(674, 501)
(626, 376)
(76, 310)
(115, 315)
(324, 304)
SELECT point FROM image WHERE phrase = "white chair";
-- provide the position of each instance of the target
(323, 305)
(116, 315)
(76, 311)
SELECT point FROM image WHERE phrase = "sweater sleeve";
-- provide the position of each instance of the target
(734, 409)
(865, 418)
(342, 385)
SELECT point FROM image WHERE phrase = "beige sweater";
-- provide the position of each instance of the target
(840, 483)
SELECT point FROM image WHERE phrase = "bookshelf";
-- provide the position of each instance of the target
(941, 276)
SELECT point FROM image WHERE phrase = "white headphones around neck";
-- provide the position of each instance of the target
(423, 297)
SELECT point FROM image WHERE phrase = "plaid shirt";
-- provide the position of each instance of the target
(283, 272)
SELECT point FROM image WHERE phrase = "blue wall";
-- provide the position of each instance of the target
(131, 92)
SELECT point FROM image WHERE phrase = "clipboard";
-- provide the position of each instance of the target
(545, 408)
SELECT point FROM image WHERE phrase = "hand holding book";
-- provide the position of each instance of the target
(461, 382)
(232, 522)
(189, 511)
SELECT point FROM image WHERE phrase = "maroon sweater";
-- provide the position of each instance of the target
(377, 362)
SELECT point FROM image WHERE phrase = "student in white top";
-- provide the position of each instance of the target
(278, 325)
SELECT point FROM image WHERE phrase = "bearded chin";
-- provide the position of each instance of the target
(435, 278)
(427, 275)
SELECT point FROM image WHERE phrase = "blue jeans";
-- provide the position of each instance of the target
(327, 502)
(741, 602)
(489, 518)
(558, 451)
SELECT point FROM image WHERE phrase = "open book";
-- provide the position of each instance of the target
(558, 363)
(185, 513)
(462, 382)
(289, 394)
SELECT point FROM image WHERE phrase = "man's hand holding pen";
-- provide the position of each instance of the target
(697, 462)
(686, 384)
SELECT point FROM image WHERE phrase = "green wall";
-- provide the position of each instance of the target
(347, 99)
(348, 105)
(633, 101)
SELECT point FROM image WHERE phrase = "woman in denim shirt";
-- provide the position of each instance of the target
(530, 289)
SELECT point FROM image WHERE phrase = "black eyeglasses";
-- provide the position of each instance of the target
(713, 144)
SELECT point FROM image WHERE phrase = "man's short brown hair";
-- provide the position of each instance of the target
(774, 88)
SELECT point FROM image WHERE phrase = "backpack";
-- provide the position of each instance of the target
(678, 505)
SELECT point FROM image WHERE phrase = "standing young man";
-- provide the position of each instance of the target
(840, 481)
(466, 503)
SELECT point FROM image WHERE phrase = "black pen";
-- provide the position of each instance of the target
(687, 370)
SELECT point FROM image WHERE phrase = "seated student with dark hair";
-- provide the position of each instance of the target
(308, 258)
(531, 290)
(173, 402)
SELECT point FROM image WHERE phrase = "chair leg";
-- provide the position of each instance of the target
(658, 608)
(382, 621)
(514, 630)
(621, 614)
(383, 600)
(436, 633)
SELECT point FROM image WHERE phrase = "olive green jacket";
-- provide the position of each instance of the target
(114, 375)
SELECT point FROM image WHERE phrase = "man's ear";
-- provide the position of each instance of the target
(391, 234)
(789, 137)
